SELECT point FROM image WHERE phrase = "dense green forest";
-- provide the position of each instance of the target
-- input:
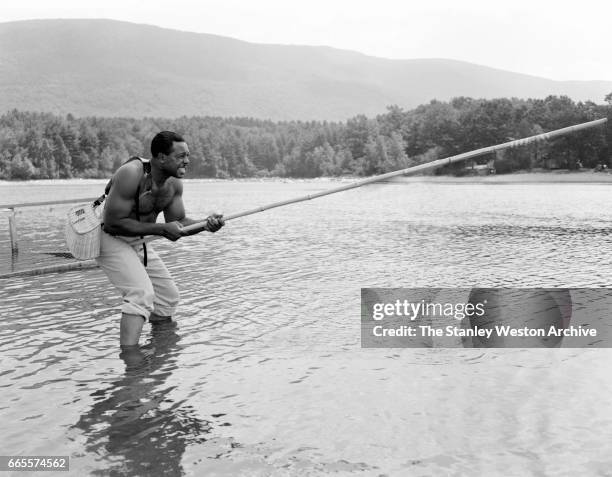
(45, 146)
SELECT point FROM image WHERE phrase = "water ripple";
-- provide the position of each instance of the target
(264, 374)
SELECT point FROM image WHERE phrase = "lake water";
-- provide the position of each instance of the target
(264, 374)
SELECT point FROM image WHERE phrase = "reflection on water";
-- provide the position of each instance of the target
(265, 374)
(134, 422)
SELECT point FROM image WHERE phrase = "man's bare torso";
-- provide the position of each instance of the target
(153, 199)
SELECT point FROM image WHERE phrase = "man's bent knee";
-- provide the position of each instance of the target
(173, 297)
(166, 302)
(139, 302)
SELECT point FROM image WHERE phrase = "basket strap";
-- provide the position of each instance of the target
(99, 200)
(144, 245)
(144, 170)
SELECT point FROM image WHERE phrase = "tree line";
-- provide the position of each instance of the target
(46, 146)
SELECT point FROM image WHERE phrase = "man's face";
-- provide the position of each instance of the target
(176, 162)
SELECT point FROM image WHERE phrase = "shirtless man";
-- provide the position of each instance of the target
(134, 268)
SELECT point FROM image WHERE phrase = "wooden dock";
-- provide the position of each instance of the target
(29, 246)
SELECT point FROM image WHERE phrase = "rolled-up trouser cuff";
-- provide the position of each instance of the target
(132, 308)
(164, 310)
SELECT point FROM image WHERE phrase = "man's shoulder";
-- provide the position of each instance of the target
(176, 184)
(129, 169)
(127, 177)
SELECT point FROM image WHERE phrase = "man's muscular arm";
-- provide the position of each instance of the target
(119, 205)
(176, 212)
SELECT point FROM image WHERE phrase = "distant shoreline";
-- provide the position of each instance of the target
(520, 177)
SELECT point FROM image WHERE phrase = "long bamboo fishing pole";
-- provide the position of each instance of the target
(411, 170)
(353, 185)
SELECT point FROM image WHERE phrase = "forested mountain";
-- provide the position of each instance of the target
(43, 145)
(110, 68)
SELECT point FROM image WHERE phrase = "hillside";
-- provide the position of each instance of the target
(111, 68)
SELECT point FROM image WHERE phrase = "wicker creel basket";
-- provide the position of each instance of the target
(83, 230)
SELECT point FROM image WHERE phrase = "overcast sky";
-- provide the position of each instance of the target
(559, 40)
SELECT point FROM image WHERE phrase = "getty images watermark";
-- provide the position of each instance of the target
(486, 317)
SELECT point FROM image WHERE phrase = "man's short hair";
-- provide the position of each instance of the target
(162, 142)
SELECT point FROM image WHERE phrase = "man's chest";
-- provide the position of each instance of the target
(155, 200)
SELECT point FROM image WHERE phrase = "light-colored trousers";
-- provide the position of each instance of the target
(144, 289)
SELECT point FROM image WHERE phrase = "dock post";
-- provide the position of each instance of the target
(13, 232)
